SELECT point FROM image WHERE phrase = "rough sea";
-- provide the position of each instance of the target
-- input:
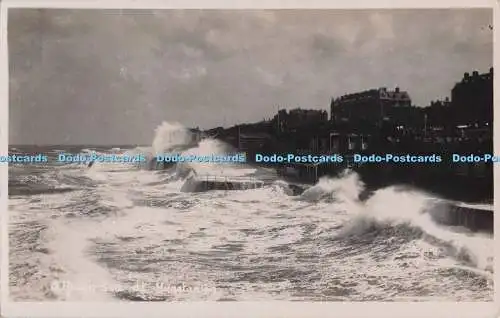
(122, 232)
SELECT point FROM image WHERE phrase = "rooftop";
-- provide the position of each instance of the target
(382, 93)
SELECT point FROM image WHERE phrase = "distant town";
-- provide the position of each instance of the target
(383, 120)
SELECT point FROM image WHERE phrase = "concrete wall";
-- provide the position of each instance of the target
(474, 218)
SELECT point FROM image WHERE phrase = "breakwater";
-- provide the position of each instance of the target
(475, 217)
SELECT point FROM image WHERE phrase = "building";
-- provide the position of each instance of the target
(472, 99)
(253, 142)
(437, 115)
(369, 107)
(297, 118)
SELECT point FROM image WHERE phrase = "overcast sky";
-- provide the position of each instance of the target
(110, 77)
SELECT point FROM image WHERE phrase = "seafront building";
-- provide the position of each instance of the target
(384, 121)
(298, 118)
(472, 99)
(369, 107)
(376, 114)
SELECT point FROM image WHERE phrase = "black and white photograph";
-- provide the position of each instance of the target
(325, 155)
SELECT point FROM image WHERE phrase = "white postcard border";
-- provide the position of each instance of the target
(232, 309)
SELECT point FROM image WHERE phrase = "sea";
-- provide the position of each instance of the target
(125, 232)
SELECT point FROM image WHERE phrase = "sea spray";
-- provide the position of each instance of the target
(346, 188)
(168, 138)
(400, 211)
(134, 221)
(411, 211)
(169, 135)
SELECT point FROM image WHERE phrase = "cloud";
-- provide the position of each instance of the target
(111, 76)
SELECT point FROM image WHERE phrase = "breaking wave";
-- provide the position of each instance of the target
(120, 224)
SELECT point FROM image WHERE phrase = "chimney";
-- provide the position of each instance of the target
(475, 74)
(491, 70)
(466, 76)
(397, 89)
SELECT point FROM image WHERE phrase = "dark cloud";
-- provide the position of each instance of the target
(111, 76)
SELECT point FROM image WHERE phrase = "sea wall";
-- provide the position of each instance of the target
(477, 218)
(209, 183)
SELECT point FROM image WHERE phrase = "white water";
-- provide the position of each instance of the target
(254, 244)
(168, 135)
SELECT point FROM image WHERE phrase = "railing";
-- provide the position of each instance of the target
(214, 182)
(216, 178)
